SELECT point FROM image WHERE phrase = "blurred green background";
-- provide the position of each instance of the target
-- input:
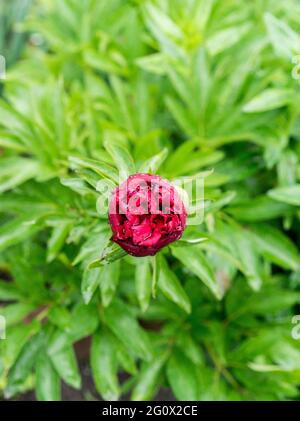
(178, 88)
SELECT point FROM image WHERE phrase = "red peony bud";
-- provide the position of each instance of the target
(146, 213)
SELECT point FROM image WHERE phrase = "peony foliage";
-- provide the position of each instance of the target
(195, 88)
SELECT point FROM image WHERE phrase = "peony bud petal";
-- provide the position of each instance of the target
(146, 213)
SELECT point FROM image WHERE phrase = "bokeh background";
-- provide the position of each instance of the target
(205, 88)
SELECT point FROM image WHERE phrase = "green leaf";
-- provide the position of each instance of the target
(103, 63)
(120, 320)
(269, 299)
(143, 282)
(24, 364)
(276, 246)
(90, 281)
(66, 366)
(260, 208)
(125, 357)
(122, 159)
(152, 165)
(19, 335)
(190, 157)
(189, 347)
(189, 241)
(186, 88)
(288, 194)
(9, 291)
(77, 185)
(190, 237)
(111, 253)
(93, 247)
(15, 171)
(101, 168)
(162, 20)
(287, 168)
(16, 312)
(47, 383)
(123, 108)
(270, 99)
(57, 239)
(155, 274)
(284, 39)
(181, 375)
(8, 141)
(147, 383)
(194, 259)
(58, 341)
(248, 255)
(154, 63)
(171, 287)
(104, 365)
(60, 317)
(81, 322)
(182, 117)
(17, 230)
(109, 281)
(84, 321)
(226, 38)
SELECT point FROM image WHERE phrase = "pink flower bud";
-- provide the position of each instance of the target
(146, 214)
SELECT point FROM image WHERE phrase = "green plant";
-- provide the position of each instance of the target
(11, 40)
(180, 87)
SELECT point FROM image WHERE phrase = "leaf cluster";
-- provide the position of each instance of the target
(175, 88)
